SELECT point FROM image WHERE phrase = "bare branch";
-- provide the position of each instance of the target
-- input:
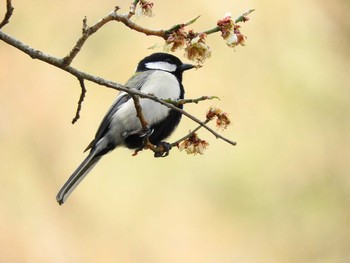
(76, 49)
(81, 99)
(178, 26)
(8, 14)
(112, 16)
(133, 7)
(244, 16)
(185, 101)
(139, 112)
(126, 21)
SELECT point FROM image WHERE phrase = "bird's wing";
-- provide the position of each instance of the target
(135, 82)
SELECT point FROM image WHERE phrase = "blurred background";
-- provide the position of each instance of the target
(281, 195)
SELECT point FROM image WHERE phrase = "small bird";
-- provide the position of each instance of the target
(159, 74)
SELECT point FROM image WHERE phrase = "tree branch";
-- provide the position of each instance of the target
(178, 26)
(139, 112)
(185, 101)
(65, 64)
(244, 16)
(112, 16)
(8, 14)
(81, 99)
(59, 63)
(133, 7)
(241, 18)
(176, 143)
(171, 106)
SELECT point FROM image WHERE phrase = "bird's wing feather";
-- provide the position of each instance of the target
(135, 82)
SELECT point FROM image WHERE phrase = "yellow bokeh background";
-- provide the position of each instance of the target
(281, 195)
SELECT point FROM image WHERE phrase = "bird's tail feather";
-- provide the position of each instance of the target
(78, 175)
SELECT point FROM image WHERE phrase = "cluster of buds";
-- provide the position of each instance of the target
(176, 40)
(231, 31)
(196, 49)
(222, 120)
(193, 145)
(194, 43)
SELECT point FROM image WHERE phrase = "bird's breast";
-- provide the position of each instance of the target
(162, 84)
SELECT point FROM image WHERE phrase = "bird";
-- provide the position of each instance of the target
(159, 74)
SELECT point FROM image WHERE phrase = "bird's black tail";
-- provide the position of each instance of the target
(78, 175)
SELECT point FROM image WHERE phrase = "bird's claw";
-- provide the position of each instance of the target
(145, 132)
(164, 147)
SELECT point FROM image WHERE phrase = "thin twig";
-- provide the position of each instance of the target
(112, 16)
(185, 101)
(171, 106)
(133, 7)
(178, 26)
(86, 33)
(139, 112)
(176, 143)
(159, 151)
(81, 99)
(211, 31)
(8, 14)
(243, 17)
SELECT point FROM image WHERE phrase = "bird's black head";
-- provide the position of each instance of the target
(164, 62)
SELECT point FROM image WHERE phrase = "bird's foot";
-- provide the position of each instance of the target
(145, 132)
(164, 149)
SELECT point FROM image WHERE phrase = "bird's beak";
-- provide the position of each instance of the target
(186, 66)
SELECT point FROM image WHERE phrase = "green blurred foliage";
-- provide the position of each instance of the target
(281, 195)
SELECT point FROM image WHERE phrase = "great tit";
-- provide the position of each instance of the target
(159, 74)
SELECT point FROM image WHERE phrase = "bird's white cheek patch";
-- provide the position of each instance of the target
(161, 65)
